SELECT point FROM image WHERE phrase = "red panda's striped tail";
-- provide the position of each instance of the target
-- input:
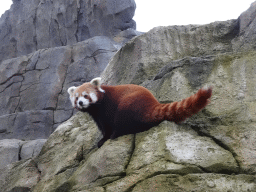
(179, 111)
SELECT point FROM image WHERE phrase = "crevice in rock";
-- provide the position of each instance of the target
(49, 109)
(165, 172)
(38, 170)
(62, 87)
(10, 86)
(16, 108)
(34, 24)
(19, 154)
(3, 131)
(14, 119)
(79, 155)
(165, 70)
(74, 166)
(28, 87)
(21, 189)
(131, 154)
(8, 79)
(58, 30)
(121, 175)
(221, 144)
(77, 19)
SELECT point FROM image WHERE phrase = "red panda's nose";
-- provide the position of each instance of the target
(81, 103)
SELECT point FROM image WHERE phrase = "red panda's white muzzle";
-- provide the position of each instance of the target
(82, 103)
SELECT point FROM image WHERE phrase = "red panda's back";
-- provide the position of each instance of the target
(134, 98)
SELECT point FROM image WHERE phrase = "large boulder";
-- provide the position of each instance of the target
(34, 87)
(70, 161)
(26, 27)
(31, 148)
(10, 148)
(41, 55)
(173, 62)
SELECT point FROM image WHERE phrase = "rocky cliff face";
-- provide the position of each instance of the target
(43, 54)
(46, 47)
(32, 25)
(212, 151)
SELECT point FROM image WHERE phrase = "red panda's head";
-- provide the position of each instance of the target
(86, 94)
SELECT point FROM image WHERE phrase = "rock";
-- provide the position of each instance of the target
(31, 148)
(180, 145)
(24, 176)
(198, 182)
(247, 23)
(147, 54)
(25, 28)
(70, 161)
(66, 154)
(97, 166)
(160, 167)
(34, 87)
(9, 151)
(192, 58)
(41, 55)
(27, 125)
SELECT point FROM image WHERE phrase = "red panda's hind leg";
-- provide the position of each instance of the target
(129, 122)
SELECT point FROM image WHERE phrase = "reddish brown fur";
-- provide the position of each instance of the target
(129, 109)
(179, 111)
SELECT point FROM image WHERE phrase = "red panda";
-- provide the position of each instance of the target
(129, 109)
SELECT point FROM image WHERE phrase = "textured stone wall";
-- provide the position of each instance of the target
(47, 46)
(32, 25)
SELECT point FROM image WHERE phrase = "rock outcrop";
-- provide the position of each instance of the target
(34, 97)
(70, 44)
(47, 46)
(32, 25)
(212, 151)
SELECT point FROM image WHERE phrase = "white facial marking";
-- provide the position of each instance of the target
(77, 94)
(101, 90)
(72, 99)
(93, 97)
(82, 102)
(71, 90)
(84, 93)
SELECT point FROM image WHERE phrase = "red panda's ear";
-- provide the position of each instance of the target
(71, 90)
(97, 82)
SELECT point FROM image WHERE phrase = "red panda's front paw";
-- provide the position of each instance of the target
(101, 142)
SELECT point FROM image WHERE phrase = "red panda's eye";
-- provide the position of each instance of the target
(85, 96)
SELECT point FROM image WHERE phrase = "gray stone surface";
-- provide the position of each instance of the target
(13, 150)
(41, 55)
(34, 96)
(26, 27)
(247, 30)
(27, 125)
(9, 151)
(31, 148)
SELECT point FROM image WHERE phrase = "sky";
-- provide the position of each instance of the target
(151, 13)
(183, 12)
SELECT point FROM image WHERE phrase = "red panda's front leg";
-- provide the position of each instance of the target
(104, 128)
(106, 135)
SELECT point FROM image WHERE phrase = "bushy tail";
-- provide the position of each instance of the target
(179, 111)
